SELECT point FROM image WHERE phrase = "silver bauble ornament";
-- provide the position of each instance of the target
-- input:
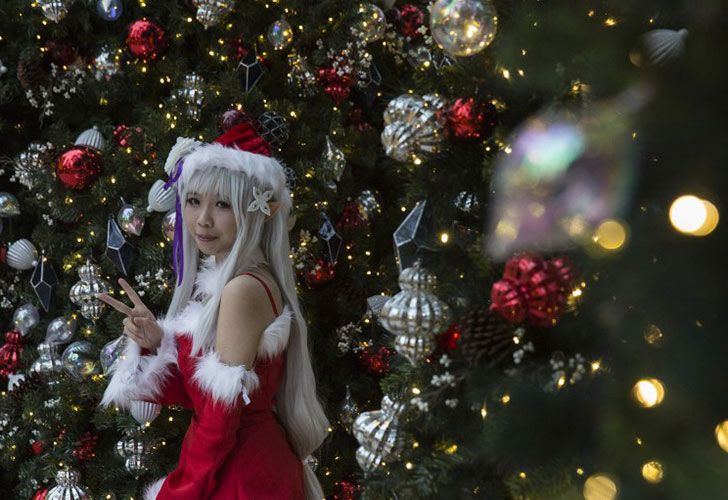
(83, 293)
(144, 412)
(79, 360)
(192, 95)
(415, 315)
(91, 138)
(412, 129)
(25, 317)
(280, 34)
(378, 434)
(22, 255)
(130, 219)
(168, 222)
(463, 27)
(370, 23)
(49, 360)
(211, 12)
(68, 487)
(9, 206)
(160, 199)
(133, 449)
(368, 204)
(60, 330)
(54, 10)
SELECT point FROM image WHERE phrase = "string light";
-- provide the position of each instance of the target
(648, 392)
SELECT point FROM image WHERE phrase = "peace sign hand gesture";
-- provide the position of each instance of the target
(140, 324)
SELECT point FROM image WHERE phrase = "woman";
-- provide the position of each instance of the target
(233, 345)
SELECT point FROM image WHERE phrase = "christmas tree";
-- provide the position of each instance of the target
(506, 234)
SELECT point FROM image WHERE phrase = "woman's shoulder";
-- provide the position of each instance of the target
(256, 289)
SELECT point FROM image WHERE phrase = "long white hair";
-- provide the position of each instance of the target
(298, 407)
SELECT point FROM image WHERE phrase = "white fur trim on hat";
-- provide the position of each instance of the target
(224, 383)
(267, 171)
(181, 148)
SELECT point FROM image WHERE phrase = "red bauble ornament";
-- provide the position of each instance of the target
(470, 119)
(338, 87)
(40, 494)
(85, 448)
(37, 447)
(319, 272)
(448, 340)
(63, 52)
(10, 352)
(346, 490)
(376, 362)
(146, 40)
(234, 116)
(411, 18)
(351, 217)
(78, 167)
(531, 289)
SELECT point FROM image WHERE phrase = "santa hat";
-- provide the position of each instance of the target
(240, 148)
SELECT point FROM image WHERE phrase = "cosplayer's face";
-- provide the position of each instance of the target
(211, 222)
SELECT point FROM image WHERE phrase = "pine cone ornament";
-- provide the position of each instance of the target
(31, 73)
(486, 338)
(29, 384)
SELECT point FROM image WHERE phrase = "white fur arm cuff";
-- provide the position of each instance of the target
(224, 383)
(140, 376)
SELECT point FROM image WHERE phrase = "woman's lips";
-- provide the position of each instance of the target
(206, 238)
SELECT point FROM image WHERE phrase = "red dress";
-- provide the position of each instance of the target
(232, 450)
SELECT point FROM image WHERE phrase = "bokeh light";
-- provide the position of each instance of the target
(652, 471)
(721, 435)
(610, 235)
(648, 392)
(600, 487)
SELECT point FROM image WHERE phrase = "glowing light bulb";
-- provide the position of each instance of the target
(688, 213)
(652, 471)
(648, 392)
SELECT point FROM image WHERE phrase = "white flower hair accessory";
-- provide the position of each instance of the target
(261, 201)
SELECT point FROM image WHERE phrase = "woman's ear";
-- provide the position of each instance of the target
(274, 207)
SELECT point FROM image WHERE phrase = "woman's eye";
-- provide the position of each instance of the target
(223, 204)
(192, 201)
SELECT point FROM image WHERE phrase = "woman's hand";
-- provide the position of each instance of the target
(139, 324)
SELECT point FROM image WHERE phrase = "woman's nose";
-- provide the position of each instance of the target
(204, 218)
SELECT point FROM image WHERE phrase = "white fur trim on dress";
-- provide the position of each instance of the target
(151, 492)
(275, 337)
(267, 171)
(141, 377)
(224, 383)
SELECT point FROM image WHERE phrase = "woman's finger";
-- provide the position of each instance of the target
(119, 306)
(133, 296)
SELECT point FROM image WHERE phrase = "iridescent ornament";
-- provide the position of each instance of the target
(55, 10)
(84, 292)
(22, 255)
(565, 173)
(370, 22)
(133, 449)
(192, 95)
(412, 129)
(146, 40)
(378, 434)
(368, 204)
(333, 162)
(109, 10)
(26, 317)
(130, 219)
(463, 27)
(110, 353)
(280, 34)
(68, 487)
(78, 167)
(79, 360)
(9, 206)
(160, 199)
(168, 222)
(348, 410)
(273, 128)
(211, 12)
